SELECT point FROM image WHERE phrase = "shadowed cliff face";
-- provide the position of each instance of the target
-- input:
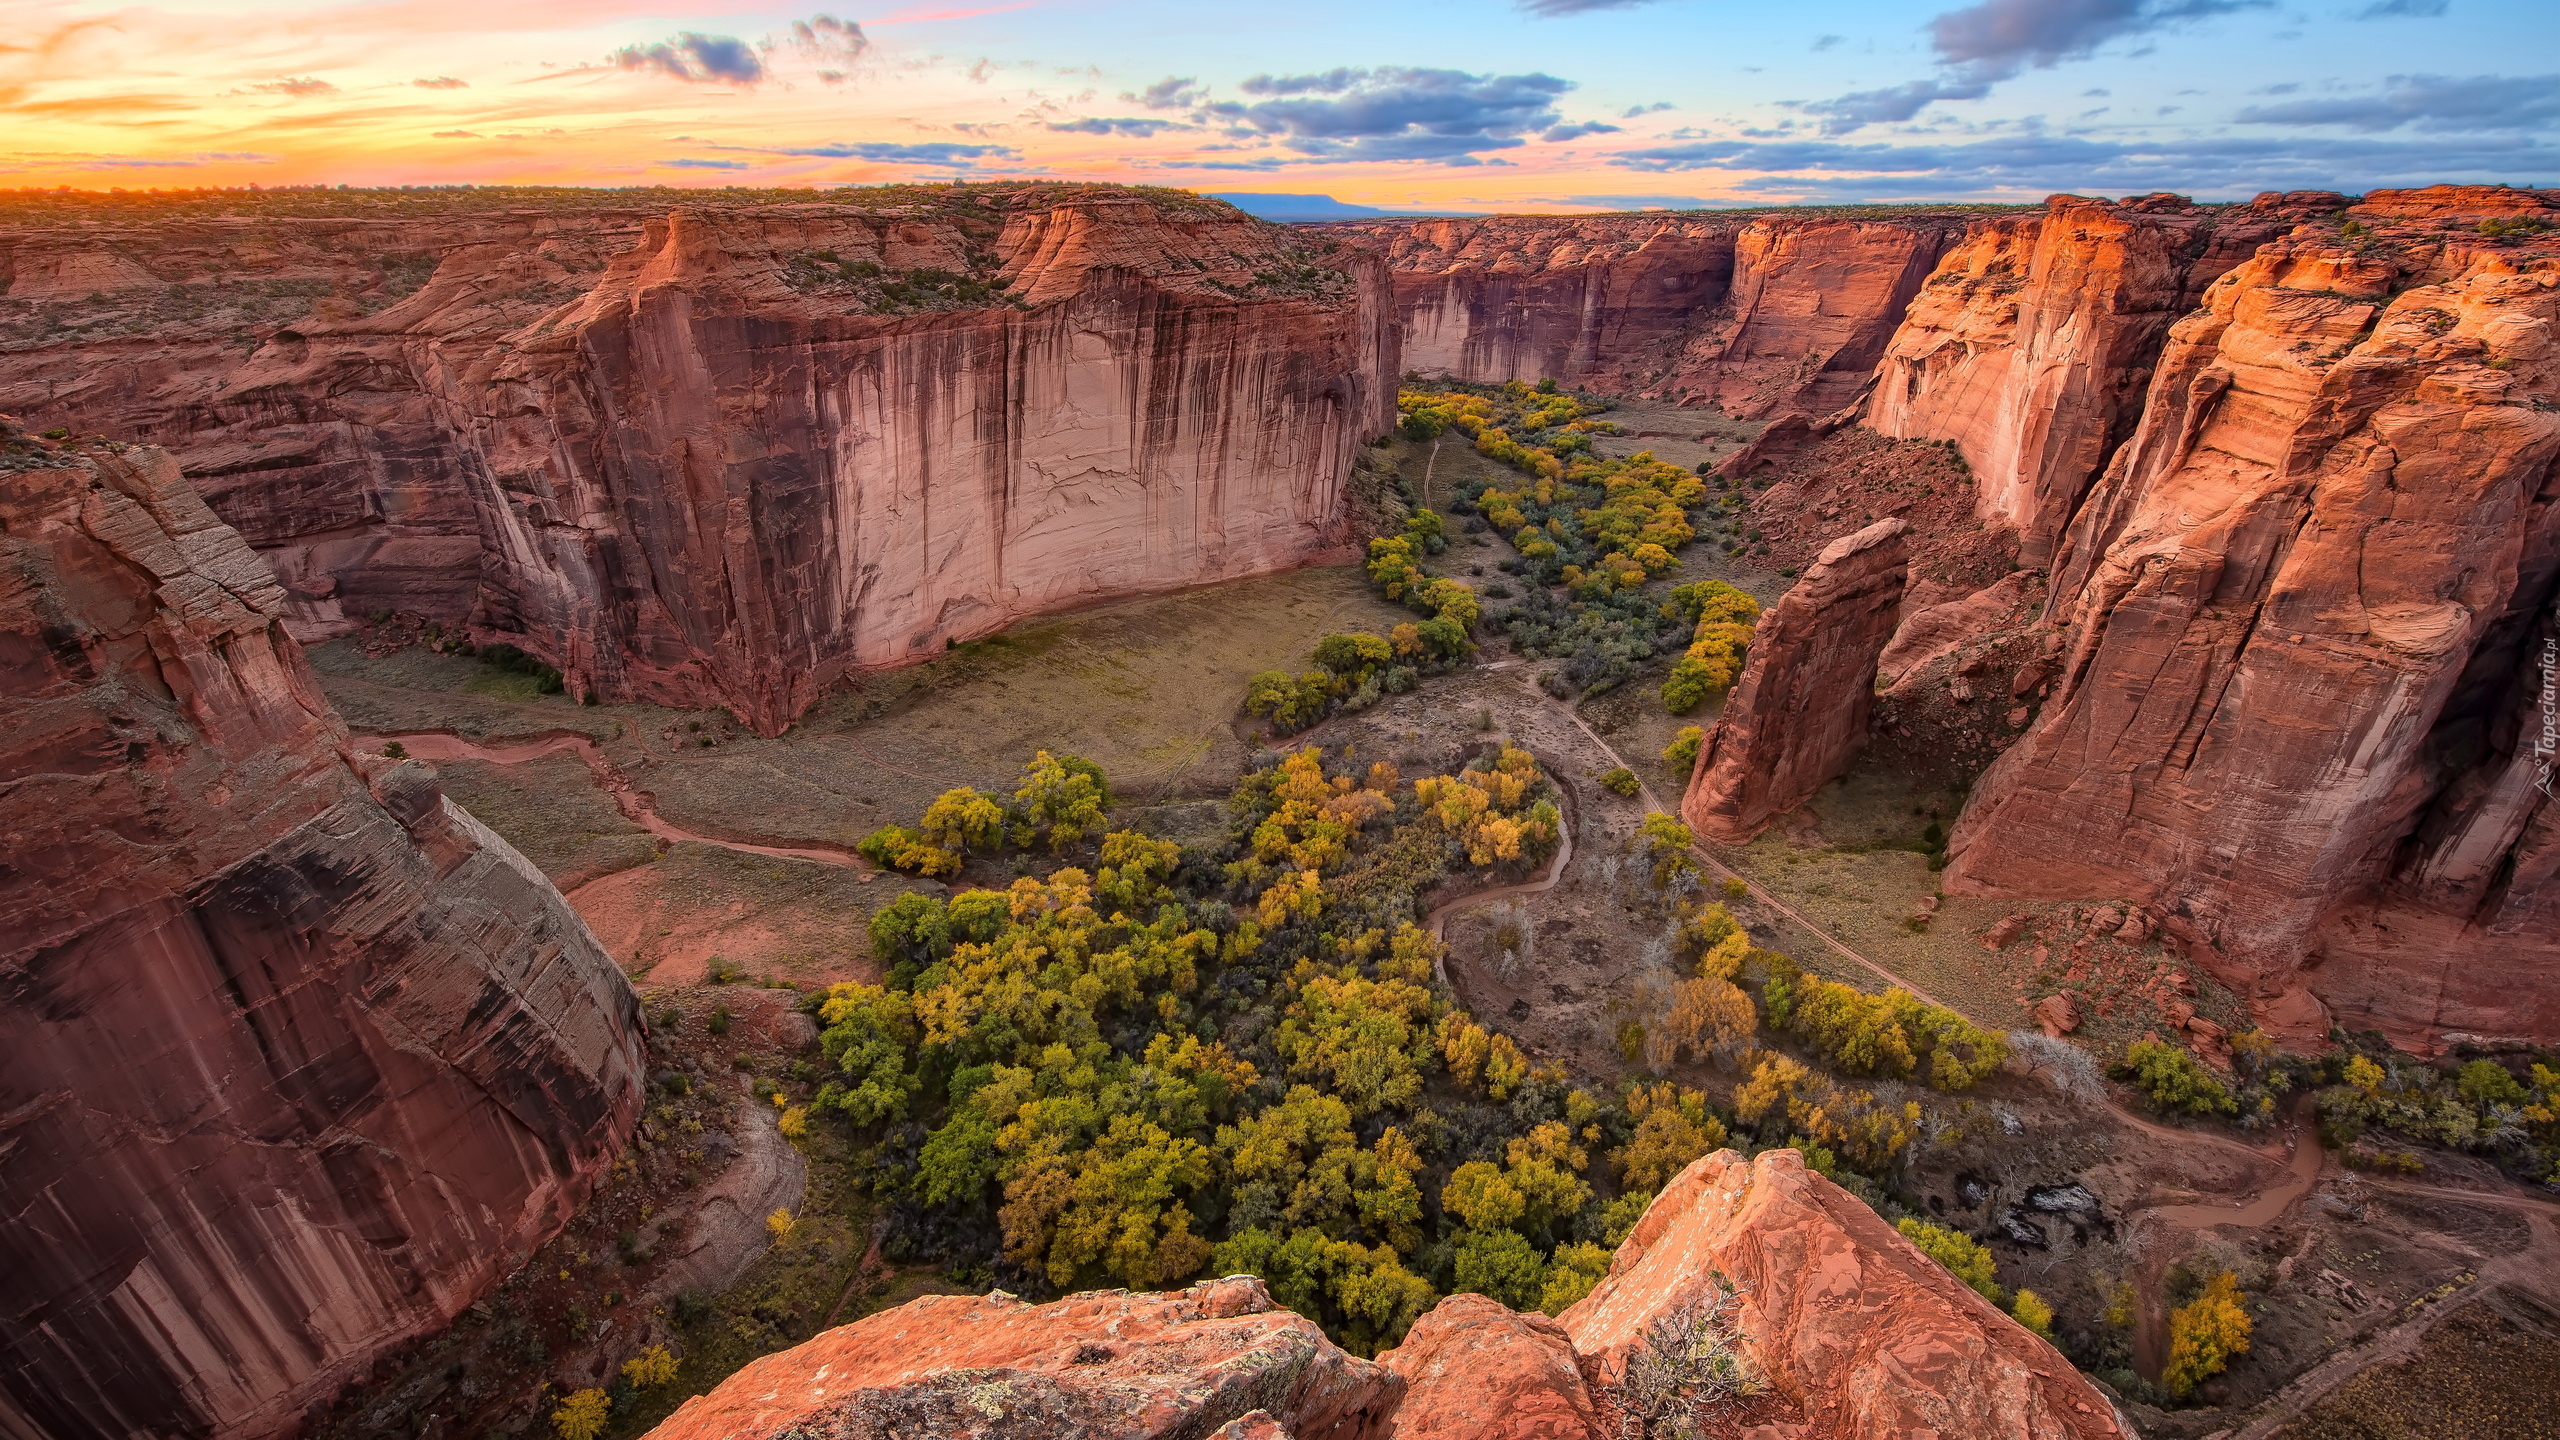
(293, 1063)
(720, 457)
(2299, 623)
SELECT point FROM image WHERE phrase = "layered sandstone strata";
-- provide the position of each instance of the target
(1798, 715)
(720, 456)
(1758, 314)
(2297, 693)
(1585, 300)
(297, 1057)
(2031, 346)
(1849, 1331)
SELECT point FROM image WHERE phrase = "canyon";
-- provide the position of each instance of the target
(301, 1058)
(298, 1058)
(2286, 467)
(718, 457)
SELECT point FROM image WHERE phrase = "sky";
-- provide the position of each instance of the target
(1554, 105)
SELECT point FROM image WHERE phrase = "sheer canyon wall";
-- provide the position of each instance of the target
(296, 1058)
(721, 455)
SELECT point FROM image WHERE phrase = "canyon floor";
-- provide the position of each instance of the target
(2443, 1279)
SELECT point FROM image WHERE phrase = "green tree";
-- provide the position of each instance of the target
(1682, 752)
(1501, 1264)
(1063, 797)
(2172, 1080)
(1967, 1258)
(962, 820)
(1572, 1272)
(582, 1416)
(2029, 1309)
(869, 1034)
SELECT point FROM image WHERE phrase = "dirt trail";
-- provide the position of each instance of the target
(1437, 922)
(634, 804)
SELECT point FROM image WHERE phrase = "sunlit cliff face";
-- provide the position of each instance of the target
(1483, 105)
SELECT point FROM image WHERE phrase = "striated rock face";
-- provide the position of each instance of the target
(1759, 315)
(2032, 344)
(1106, 1365)
(2301, 619)
(1848, 1322)
(1813, 306)
(1799, 713)
(720, 456)
(1586, 300)
(1475, 1369)
(1857, 1334)
(296, 1058)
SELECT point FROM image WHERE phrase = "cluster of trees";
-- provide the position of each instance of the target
(1060, 799)
(2205, 1334)
(1721, 621)
(1888, 1035)
(2480, 1106)
(1238, 1058)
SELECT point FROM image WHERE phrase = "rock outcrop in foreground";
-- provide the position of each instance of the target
(722, 455)
(2301, 624)
(296, 1058)
(1851, 1332)
(1798, 715)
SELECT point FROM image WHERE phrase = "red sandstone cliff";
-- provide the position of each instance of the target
(721, 456)
(1852, 1332)
(2299, 622)
(1587, 300)
(1798, 715)
(297, 1058)
(1758, 314)
(2032, 344)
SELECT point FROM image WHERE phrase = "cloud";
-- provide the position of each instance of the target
(306, 85)
(457, 135)
(1999, 38)
(442, 82)
(691, 164)
(878, 152)
(1828, 41)
(1982, 45)
(1395, 113)
(1557, 134)
(1891, 105)
(2402, 10)
(1102, 125)
(1173, 92)
(2031, 165)
(828, 40)
(1633, 112)
(1553, 8)
(696, 59)
(2428, 102)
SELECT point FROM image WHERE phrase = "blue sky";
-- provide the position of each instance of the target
(1455, 104)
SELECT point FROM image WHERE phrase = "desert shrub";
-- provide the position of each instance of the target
(1665, 841)
(1620, 781)
(2205, 1335)
(1690, 1365)
(651, 1367)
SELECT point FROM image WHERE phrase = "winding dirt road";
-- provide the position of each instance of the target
(634, 804)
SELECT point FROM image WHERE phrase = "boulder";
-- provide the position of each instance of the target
(1845, 1319)
(1475, 1369)
(2058, 1015)
(1105, 1365)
